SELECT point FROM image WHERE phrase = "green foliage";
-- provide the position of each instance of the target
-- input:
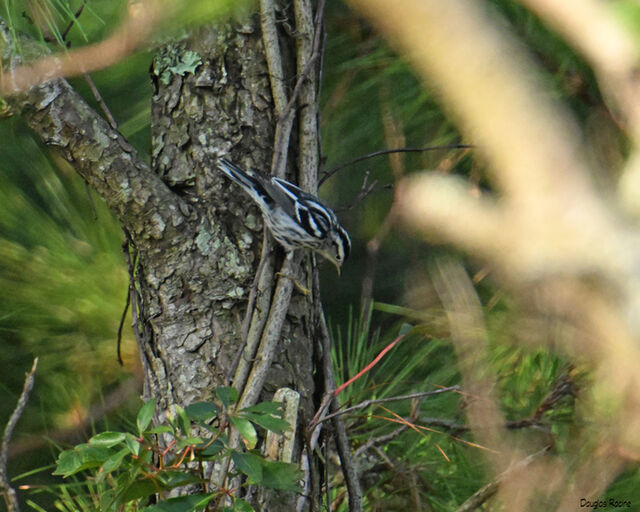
(121, 470)
(432, 454)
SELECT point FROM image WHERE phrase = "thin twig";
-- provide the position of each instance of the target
(342, 440)
(331, 172)
(367, 403)
(271, 334)
(76, 15)
(101, 103)
(308, 47)
(273, 56)
(10, 496)
(255, 316)
(384, 439)
(366, 189)
(121, 325)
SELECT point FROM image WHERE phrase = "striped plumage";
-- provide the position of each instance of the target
(296, 219)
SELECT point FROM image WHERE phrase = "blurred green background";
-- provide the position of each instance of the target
(63, 278)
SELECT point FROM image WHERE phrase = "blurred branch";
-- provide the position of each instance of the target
(469, 337)
(612, 50)
(10, 496)
(142, 18)
(485, 492)
(548, 228)
(608, 45)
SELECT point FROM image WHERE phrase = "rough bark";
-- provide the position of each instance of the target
(197, 239)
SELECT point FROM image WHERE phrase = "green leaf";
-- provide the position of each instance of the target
(145, 415)
(281, 475)
(133, 445)
(184, 421)
(189, 503)
(107, 439)
(202, 411)
(246, 430)
(83, 456)
(160, 429)
(271, 423)
(171, 479)
(213, 450)
(273, 408)
(249, 464)
(139, 489)
(239, 505)
(227, 395)
(112, 463)
(69, 462)
(187, 441)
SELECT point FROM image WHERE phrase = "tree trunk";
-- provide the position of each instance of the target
(195, 241)
(195, 289)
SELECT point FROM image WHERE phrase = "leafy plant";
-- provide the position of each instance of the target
(125, 470)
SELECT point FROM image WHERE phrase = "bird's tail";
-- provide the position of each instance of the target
(251, 181)
(236, 174)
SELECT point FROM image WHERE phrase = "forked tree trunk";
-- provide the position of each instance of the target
(196, 284)
(195, 240)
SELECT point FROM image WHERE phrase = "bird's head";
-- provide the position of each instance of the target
(337, 247)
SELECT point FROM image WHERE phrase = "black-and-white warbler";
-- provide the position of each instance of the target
(296, 219)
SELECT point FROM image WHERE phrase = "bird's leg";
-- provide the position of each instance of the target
(303, 290)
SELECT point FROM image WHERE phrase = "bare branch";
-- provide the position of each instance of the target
(485, 492)
(271, 334)
(101, 155)
(10, 496)
(368, 403)
(341, 438)
(326, 175)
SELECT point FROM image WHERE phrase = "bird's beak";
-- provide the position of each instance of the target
(338, 268)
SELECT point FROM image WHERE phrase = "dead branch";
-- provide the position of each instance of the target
(10, 496)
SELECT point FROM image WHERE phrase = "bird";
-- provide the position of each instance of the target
(296, 218)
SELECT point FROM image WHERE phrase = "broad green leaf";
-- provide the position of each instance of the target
(145, 415)
(69, 462)
(133, 445)
(190, 503)
(212, 450)
(227, 395)
(112, 463)
(86, 456)
(271, 423)
(184, 421)
(249, 464)
(171, 479)
(280, 475)
(239, 505)
(187, 441)
(274, 408)
(247, 431)
(107, 439)
(202, 411)
(160, 429)
(140, 488)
